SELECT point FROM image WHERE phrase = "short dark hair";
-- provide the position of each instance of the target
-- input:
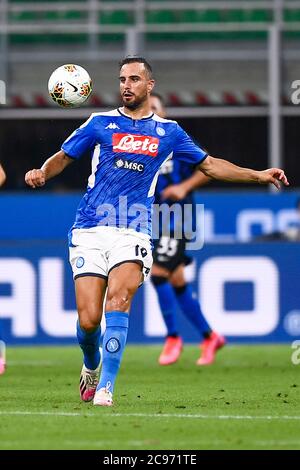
(131, 59)
(159, 97)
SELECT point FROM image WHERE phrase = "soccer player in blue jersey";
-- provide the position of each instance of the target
(110, 247)
(2, 344)
(175, 183)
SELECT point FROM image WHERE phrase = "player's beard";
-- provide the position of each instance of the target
(137, 103)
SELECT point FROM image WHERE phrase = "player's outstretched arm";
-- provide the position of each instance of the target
(52, 167)
(223, 170)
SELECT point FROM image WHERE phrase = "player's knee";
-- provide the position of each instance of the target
(88, 319)
(119, 299)
(158, 280)
(178, 283)
(177, 279)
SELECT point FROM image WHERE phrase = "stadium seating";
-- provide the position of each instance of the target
(126, 17)
(172, 98)
(122, 14)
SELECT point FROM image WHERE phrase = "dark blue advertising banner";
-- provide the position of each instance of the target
(246, 274)
(249, 292)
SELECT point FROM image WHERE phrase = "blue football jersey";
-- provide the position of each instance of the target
(174, 172)
(126, 158)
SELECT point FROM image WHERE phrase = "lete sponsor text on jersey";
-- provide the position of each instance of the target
(131, 143)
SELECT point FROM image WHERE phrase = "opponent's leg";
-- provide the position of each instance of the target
(168, 304)
(190, 306)
(166, 298)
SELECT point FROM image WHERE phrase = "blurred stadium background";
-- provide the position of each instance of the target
(227, 71)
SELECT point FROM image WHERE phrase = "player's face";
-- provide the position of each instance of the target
(157, 107)
(135, 85)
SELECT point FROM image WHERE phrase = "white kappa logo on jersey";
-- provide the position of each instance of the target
(112, 125)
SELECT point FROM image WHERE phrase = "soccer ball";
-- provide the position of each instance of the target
(70, 85)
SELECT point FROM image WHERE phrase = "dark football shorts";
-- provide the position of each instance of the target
(169, 253)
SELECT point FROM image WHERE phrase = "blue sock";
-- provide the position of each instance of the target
(114, 341)
(89, 343)
(168, 305)
(192, 310)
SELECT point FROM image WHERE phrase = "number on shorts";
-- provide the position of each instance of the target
(167, 246)
(140, 249)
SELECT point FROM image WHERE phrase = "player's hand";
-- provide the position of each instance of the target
(175, 192)
(35, 178)
(274, 176)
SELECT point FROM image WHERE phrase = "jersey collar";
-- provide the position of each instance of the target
(150, 116)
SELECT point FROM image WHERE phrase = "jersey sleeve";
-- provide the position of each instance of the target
(81, 140)
(186, 150)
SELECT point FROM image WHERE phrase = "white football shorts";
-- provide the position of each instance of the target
(96, 251)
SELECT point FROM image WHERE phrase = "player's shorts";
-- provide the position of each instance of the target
(96, 251)
(169, 253)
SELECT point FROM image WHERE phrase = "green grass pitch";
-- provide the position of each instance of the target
(249, 399)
